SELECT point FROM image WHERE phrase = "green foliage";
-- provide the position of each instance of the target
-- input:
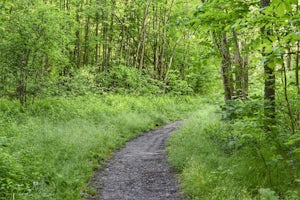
(12, 178)
(31, 48)
(267, 194)
(202, 165)
(238, 109)
(50, 149)
(177, 86)
(122, 79)
(237, 159)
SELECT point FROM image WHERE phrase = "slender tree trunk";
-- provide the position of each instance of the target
(122, 47)
(139, 62)
(290, 113)
(156, 38)
(67, 5)
(185, 57)
(97, 51)
(297, 74)
(238, 62)
(269, 92)
(77, 50)
(163, 43)
(86, 41)
(171, 58)
(288, 59)
(241, 74)
(297, 67)
(109, 39)
(21, 89)
(269, 86)
(144, 37)
(221, 43)
(245, 77)
(110, 33)
(105, 38)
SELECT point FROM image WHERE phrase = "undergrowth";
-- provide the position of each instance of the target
(232, 160)
(50, 149)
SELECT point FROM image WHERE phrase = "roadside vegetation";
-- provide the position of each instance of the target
(235, 159)
(50, 149)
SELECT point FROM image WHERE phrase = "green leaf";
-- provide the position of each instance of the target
(280, 11)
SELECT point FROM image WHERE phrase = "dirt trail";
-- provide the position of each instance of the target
(139, 171)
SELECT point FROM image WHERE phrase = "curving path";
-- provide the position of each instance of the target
(139, 171)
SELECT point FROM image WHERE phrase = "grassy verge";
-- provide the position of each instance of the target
(230, 160)
(203, 167)
(199, 160)
(50, 149)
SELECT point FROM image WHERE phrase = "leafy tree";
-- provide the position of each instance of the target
(223, 31)
(33, 46)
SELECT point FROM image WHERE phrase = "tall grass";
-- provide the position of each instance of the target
(203, 167)
(230, 160)
(50, 149)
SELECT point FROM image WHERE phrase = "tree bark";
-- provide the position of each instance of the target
(110, 33)
(105, 38)
(97, 50)
(77, 50)
(269, 85)
(156, 38)
(221, 43)
(171, 58)
(297, 67)
(142, 41)
(241, 74)
(161, 62)
(86, 41)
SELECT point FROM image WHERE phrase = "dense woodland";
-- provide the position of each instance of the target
(234, 62)
(54, 46)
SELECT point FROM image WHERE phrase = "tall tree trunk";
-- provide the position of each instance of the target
(140, 53)
(221, 43)
(97, 50)
(288, 105)
(297, 74)
(241, 74)
(156, 37)
(171, 59)
(297, 67)
(288, 59)
(269, 85)
(86, 41)
(245, 77)
(110, 33)
(122, 41)
(104, 36)
(77, 50)
(238, 62)
(21, 90)
(144, 37)
(161, 62)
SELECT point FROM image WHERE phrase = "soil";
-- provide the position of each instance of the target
(139, 171)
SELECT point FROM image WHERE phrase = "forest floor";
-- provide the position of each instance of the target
(139, 170)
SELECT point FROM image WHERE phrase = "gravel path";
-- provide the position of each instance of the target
(139, 171)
